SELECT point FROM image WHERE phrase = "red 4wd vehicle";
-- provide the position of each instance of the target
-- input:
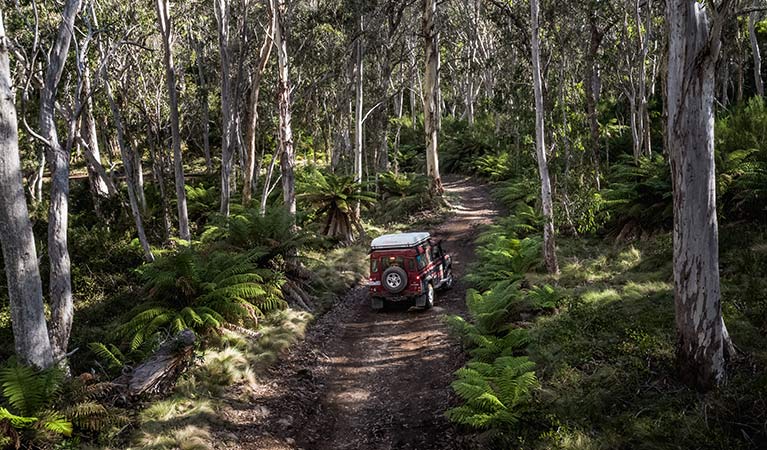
(407, 266)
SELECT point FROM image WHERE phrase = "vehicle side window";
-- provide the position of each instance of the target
(374, 265)
(424, 259)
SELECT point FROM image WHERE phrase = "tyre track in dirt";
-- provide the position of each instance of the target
(370, 380)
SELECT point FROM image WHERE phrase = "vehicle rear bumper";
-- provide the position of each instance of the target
(394, 298)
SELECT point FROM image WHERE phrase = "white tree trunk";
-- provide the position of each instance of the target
(358, 104)
(25, 290)
(643, 39)
(125, 152)
(752, 19)
(138, 174)
(287, 153)
(166, 29)
(62, 308)
(255, 89)
(99, 182)
(694, 43)
(203, 88)
(431, 94)
(549, 246)
(222, 10)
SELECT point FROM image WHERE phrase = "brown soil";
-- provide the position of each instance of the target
(367, 380)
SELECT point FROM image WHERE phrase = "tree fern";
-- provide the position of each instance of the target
(402, 195)
(202, 292)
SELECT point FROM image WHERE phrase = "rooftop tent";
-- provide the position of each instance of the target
(399, 240)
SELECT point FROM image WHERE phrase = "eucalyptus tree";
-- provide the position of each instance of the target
(432, 101)
(252, 129)
(223, 10)
(62, 307)
(287, 151)
(25, 289)
(753, 18)
(166, 30)
(111, 59)
(703, 344)
(634, 44)
(549, 246)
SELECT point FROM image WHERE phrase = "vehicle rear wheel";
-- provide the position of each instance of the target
(394, 279)
(429, 296)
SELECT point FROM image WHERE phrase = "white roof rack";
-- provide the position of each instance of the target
(400, 240)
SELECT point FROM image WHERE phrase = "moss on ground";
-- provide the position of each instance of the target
(606, 360)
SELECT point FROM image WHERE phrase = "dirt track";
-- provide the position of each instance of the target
(367, 380)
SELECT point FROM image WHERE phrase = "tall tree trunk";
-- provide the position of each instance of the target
(100, 184)
(702, 340)
(592, 92)
(358, 105)
(252, 131)
(25, 289)
(166, 29)
(222, 10)
(399, 100)
(138, 176)
(752, 19)
(203, 93)
(643, 42)
(431, 95)
(125, 152)
(741, 64)
(287, 153)
(62, 308)
(549, 246)
(158, 173)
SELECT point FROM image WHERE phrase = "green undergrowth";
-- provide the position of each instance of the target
(187, 417)
(590, 354)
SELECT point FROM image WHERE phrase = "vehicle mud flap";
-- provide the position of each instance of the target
(376, 303)
(420, 301)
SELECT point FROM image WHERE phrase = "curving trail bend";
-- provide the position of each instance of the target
(367, 380)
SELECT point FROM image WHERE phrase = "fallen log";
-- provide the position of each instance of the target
(159, 373)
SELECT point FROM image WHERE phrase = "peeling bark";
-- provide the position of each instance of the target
(702, 339)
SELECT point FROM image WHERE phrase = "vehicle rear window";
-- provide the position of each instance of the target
(374, 265)
(392, 261)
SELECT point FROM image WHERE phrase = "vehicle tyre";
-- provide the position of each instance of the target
(429, 296)
(394, 279)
